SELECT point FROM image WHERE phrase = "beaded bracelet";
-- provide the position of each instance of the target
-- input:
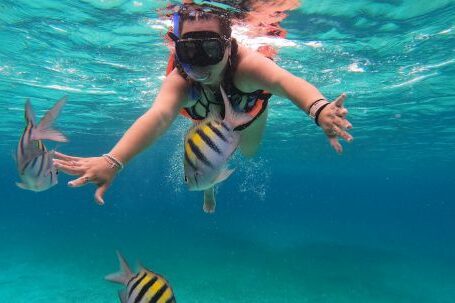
(113, 162)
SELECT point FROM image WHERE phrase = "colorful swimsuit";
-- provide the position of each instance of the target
(254, 104)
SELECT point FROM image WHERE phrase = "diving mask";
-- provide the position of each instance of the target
(201, 48)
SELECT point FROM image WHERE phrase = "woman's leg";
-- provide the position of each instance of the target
(250, 137)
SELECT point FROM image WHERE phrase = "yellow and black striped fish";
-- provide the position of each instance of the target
(34, 161)
(207, 148)
(142, 287)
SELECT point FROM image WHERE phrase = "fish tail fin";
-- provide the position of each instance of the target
(122, 276)
(233, 118)
(44, 130)
(209, 201)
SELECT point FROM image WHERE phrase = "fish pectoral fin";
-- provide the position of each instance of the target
(209, 201)
(123, 295)
(22, 186)
(224, 175)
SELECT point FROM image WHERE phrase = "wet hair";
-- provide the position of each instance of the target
(191, 12)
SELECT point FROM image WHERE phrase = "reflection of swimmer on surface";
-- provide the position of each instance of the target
(206, 56)
(142, 287)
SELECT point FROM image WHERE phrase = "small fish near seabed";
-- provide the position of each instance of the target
(208, 146)
(142, 287)
(33, 160)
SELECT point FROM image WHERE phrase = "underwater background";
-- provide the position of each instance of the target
(296, 223)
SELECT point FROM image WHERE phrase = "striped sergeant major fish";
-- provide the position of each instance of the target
(34, 162)
(142, 287)
(208, 146)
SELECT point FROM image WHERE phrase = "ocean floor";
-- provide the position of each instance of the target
(68, 265)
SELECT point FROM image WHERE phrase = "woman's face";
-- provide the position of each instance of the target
(210, 74)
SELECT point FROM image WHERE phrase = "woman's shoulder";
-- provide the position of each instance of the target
(245, 55)
(250, 66)
(176, 85)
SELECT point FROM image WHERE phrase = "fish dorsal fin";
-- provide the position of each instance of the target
(125, 273)
(44, 130)
(225, 173)
(29, 113)
(233, 118)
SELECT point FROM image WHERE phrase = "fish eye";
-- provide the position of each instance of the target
(186, 179)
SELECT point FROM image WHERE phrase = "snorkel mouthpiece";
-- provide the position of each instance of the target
(198, 76)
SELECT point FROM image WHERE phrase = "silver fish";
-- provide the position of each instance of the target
(33, 160)
(208, 146)
(143, 287)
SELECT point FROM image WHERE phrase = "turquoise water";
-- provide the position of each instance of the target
(297, 223)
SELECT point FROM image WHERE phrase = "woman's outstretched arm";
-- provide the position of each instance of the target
(255, 71)
(144, 131)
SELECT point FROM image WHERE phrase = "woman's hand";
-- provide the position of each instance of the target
(90, 170)
(332, 120)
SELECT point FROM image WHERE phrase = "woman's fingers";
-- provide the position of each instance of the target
(335, 144)
(90, 170)
(66, 157)
(340, 100)
(99, 193)
(335, 126)
(337, 131)
(341, 112)
(70, 168)
(79, 181)
(342, 123)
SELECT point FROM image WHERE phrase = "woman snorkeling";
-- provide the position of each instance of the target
(206, 56)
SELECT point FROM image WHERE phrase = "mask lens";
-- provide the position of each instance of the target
(213, 49)
(200, 50)
(188, 51)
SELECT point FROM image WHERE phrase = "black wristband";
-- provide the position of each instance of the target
(316, 116)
